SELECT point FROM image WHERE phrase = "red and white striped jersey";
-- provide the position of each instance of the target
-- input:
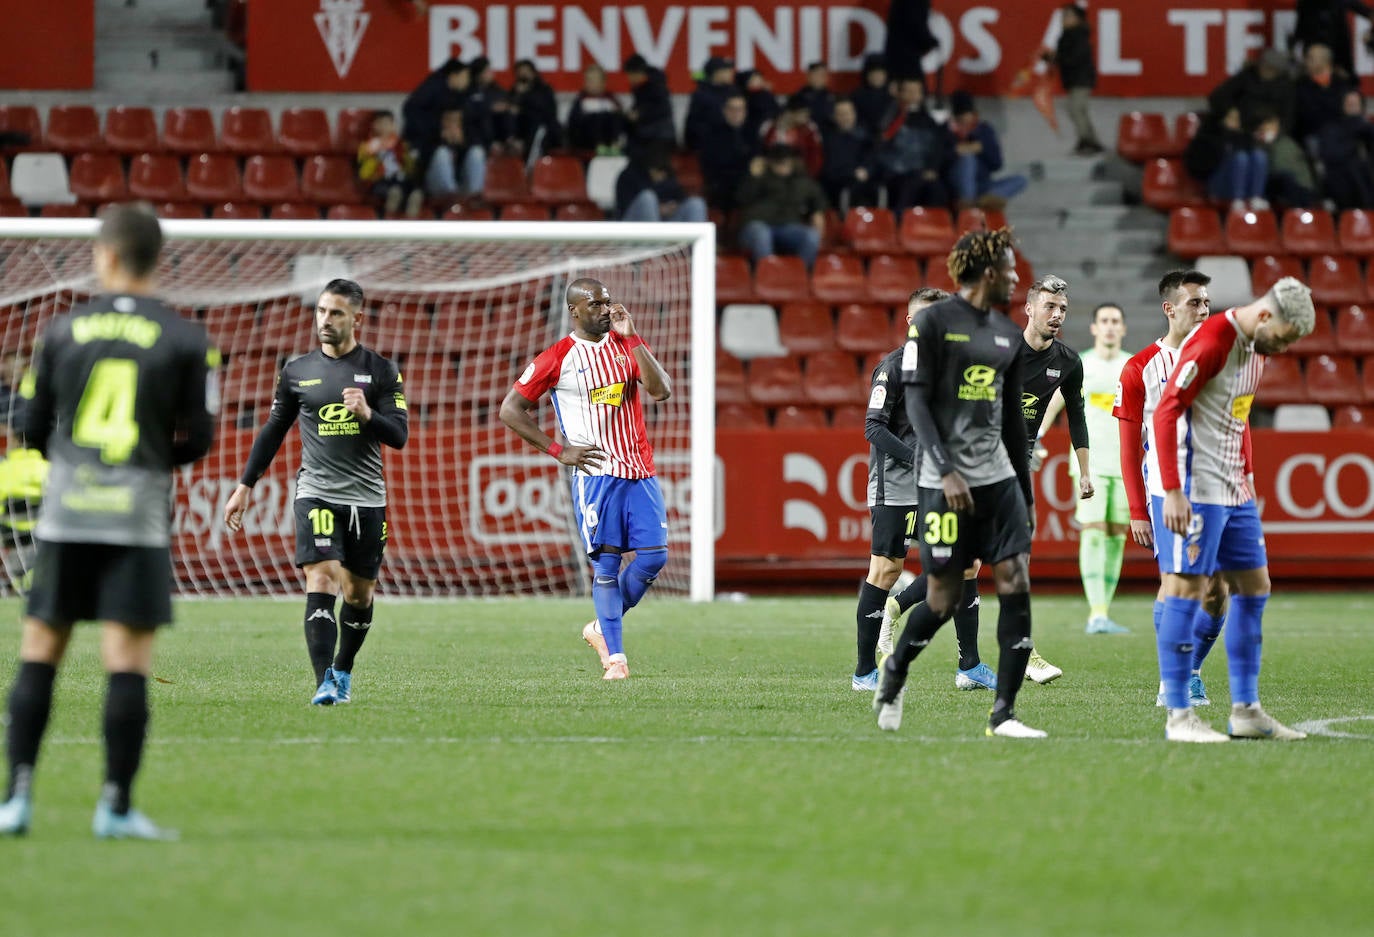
(1211, 389)
(1137, 396)
(595, 389)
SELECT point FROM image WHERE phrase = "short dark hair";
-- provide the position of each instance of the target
(1175, 280)
(1101, 306)
(637, 65)
(348, 289)
(377, 115)
(816, 65)
(133, 233)
(927, 294)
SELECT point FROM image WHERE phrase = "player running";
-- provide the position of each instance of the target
(594, 376)
(350, 403)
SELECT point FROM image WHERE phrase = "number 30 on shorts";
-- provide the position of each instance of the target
(941, 528)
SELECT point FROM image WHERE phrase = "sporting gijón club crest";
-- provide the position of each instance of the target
(341, 24)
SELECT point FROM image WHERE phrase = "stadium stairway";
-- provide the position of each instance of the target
(150, 46)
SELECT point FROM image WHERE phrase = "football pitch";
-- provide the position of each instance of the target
(486, 781)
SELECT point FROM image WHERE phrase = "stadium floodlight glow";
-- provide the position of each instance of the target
(464, 307)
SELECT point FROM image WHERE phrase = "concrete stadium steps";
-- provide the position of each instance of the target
(146, 46)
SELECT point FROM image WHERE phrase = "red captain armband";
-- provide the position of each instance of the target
(633, 342)
(555, 450)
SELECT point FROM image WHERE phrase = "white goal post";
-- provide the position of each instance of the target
(463, 306)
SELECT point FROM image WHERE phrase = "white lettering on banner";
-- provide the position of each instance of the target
(1331, 498)
(341, 24)
(580, 33)
(798, 514)
(944, 39)
(853, 528)
(751, 32)
(1109, 60)
(1364, 59)
(703, 35)
(453, 33)
(1195, 24)
(269, 513)
(839, 22)
(642, 38)
(854, 497)
(1239, 38)
(498, 37)
(1057, 487)
(973, 25)
(532, 35)
(809, 35)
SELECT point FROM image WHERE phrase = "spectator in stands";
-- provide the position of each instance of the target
(1077, 63)
(386, 166)
(873, 98)
(781, 207)
(794, 128)
(703, 110)
(487, 115)
(818, 96)
(727, 151)
(915, 152)
(977, 155)
(457, 166)
(1290, 182)
(763, 103)
(596, 121)
(442, 90)
(1224, 157)
(535, 110)
(1319, 93)
(1260, 84)
(1328, 22)
(849, 172)
(651, 110)
(1346, 149)
(908, 38)
(648, 190)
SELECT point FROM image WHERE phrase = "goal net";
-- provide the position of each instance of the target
(463, 307)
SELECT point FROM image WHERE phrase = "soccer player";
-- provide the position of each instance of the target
(594, 376)
(1183, 297)
(962, 365)
(1207, 519)
(119, 394)
(891, 500)
(350, 403)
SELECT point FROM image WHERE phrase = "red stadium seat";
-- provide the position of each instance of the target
(525, 211)
(1307, 232)
(800, 418)
(871, 230)
(157, 178)
(978, 219)
(849, 416)
(22, 118)
(927, 231)
(351, 213)
(806, 327)
(559, 179)
(1322, 340)
(781, 278)
(74, 129)
(734, 282)
(832, 379)
(1142, 136)
(1333, 381)
(578, 211)
(329, 179)
(305, 131)
(1268, 270)
(775, 381)
(687, 168)
(1350, 417)
(839, 278)
(1335, 280)
(294, 211)
(892, 278)
(730, 380)
(1167, 186)
(271, 179)
(506, 180)
(937, 275)
(98, 177)
(1025, 275)
(1252, 233)
(1194, 232)
(186, 210)
(189, 130)
(5, 181)
(1357, 232)
(1185, 128)
(13, 208)
(353, 127)
(131, 130)
(213, 177)
(65, 211)
(460, 212)
(248, 130)
(239, 211)
(1367, 373)
(1281, 383)
(744, 416)
(1355, 330)
(864, 329)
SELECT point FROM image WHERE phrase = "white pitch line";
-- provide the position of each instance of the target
(1323, 727)
(884, 739)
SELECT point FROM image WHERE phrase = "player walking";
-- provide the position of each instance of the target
(594, 376)
(350, 403)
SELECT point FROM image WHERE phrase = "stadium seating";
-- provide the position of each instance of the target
(578, 211)
(131, 130)
(850, 416)
(775, 382)
(5, 181)
(1335, 280)
(461, 212)
(730, 380)
(1143, 136)
(22, 118)
(871, 230)
(525, 211)
(1334, 381)
(12, 208)
(353, 127)
(865, 328)
(237, 211)
(558, 179)
(213, 177)
(1231, 278)
(189, 130)
(978, 219)
(1252, 233)
(740, 416)
(832, 379)
(304, 131)
(1367, 375)
(156, 177)
(1167, 185)
(247, 131)
(1322, 340)
(350, 212)
(58, 210)
(892, 278)
(839, 278)
(1282, 383)
(98, 177)
(1356, 232)
(185, 210)
(602, 173)
(1269, 269)
(1355, 330)
(781, 278)
(800, 418)
(328, 180)
(687, 168)
(1196, 231)
(506, 180)
(40, 179)
(750, 330)
(294, 211)
(270, 179)
(1185, 128)
(1349, 417)
(927, 231)
(806, 327)
(1308, 232)
(1301, 418)
(734, 282)
(74, 129)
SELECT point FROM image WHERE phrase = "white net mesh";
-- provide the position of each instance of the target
(473, 510)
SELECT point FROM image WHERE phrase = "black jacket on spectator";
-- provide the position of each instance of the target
(779, 200)
(762, 104)
(653, 113)
(1318, 106)
(484, 120)
(908, 38)
(634, 178)
(846, 152)
(914, 143)
(595, 120)
(425, 106)
(871, 104)
(1346, 148)
(724, 157)
(703, 110)
(1074, 57)
(1247, 91)
(1327, 22)
(536, 107)
(821, 102)
(1210, 145)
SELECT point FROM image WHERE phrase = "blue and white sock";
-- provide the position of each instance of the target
(642, 572)
(1175, 645)
(1206, 630)
(1244, 634)
(607, 601)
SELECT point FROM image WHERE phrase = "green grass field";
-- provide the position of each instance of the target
(485, 780)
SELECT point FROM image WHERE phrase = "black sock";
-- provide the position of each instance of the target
(870, 621)
(126, 726)
(30, 704)
(966, 626)
(321, 631)
(921, 626)
(914, 592)
(355, 624)
(1013, 637)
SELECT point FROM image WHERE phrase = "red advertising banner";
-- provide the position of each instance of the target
(48, 45)
(1143, 47)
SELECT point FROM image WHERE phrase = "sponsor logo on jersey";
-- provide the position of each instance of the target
(1186, 374)
(978, 379)
(909, 354)
(878, 398)
(362, 378)
(336, 420)
(1240, 408)
(1102, 401)
(612, 395)
(1028, 402)
(400, 400)
(310, 383)
(956, 337)
(1116, 401)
